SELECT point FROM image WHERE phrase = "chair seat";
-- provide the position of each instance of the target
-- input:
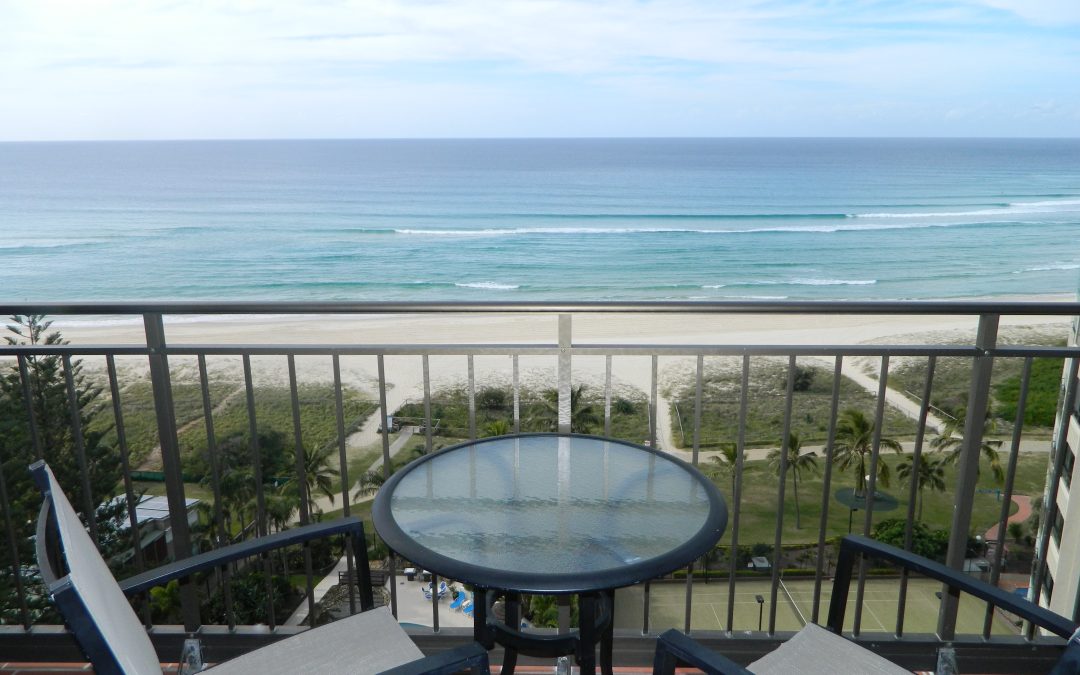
(816, 651)
(369, 642)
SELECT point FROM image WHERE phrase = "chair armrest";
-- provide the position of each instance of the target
(217, 557)
(852, 545)
(472, 656)
(673, 648)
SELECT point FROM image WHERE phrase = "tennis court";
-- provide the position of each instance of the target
(794, 607)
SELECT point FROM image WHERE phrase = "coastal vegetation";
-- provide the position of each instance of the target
(494, 411)
(766, 392)
(88, 443)
(952, 377)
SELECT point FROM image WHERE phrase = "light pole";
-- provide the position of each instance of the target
(761, 610)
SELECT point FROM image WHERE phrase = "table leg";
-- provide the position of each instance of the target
(607, 639)
(513, 619)
(586, 656)
(480, 630)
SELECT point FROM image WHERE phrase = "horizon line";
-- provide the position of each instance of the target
(527, 138)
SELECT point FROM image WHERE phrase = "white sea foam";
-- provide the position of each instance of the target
(1049, 268)
(900, 221)
(1055, 206)
(489, 285)
(833, 282)
(51, 243)
(511, 231)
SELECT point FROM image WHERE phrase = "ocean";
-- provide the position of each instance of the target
(509, 220)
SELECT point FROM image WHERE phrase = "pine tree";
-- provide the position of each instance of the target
(52, 415)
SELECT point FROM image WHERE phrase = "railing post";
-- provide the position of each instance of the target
(565, 342)
(968, 466)
(161, 382)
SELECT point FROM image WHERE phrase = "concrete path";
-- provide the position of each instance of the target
(324, 585)
(1023, 512)
(325, 504)
(853, 370)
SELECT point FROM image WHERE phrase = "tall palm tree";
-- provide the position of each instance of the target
(725, 463)
(320, 475)
(855, 443)
(796, 464)
(950, 443)
(931, 475)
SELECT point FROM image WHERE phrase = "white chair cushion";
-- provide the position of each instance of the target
(816, 651)
(369, 642)
(101, 595)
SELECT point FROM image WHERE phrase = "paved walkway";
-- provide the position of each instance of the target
(325, 504)
(325, 584)
(1023, 512)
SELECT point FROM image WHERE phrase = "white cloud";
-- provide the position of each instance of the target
(1042, 12)
(157, 68)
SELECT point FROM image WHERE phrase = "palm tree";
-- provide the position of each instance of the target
(725, 463)
(320, 475)
(583, 417)
(931, 475)
(369, 483)
(237, 496)
(855, 443)
(951, 444)
(796, 463)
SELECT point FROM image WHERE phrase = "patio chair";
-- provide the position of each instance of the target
(459, 600)
(816, 649)
(107, 629)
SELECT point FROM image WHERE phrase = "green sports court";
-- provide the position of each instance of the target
(667, 608)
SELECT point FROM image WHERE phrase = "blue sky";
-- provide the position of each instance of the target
(157, 69)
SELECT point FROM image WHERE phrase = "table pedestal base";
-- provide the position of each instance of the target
(595, 617)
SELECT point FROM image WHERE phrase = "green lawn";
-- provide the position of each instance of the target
(759, 501)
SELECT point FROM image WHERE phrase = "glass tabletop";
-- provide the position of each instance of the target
(549, 512)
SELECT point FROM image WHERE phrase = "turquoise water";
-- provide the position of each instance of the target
(679, 219)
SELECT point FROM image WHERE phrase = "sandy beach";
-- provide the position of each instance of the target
(404, 374)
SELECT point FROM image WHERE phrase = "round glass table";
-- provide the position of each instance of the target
(550, 514)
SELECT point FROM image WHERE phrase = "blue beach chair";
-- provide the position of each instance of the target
(459, 600)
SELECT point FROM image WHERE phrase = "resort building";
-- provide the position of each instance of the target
(1060, 530)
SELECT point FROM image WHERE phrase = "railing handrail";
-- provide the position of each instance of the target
(912, 307)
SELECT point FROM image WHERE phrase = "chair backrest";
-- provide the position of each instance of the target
(96, 610)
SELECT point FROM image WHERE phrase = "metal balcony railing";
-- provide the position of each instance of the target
(21, 636)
